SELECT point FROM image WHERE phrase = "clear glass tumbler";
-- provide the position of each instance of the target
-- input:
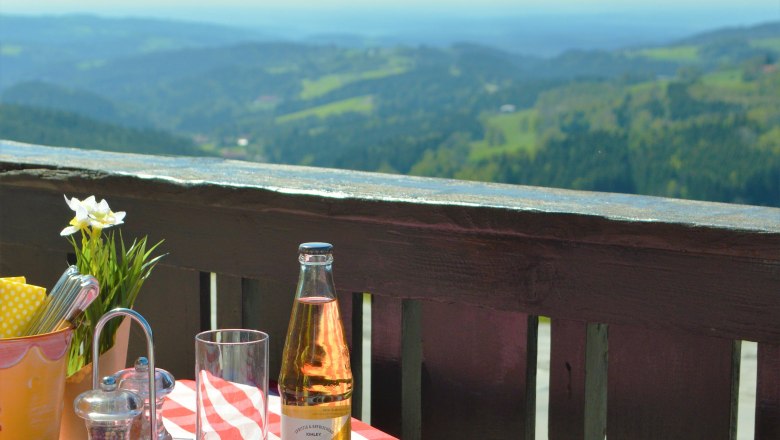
(231, 375)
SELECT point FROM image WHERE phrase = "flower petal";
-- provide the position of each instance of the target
(119, 217)
(69, 230)
(89, 203)
(102, 208)
(73, 203)
(81, 214)
(95, 223)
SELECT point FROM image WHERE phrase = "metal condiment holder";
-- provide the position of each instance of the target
(149, 355)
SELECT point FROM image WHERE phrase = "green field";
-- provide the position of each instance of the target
(681, 54)
(359, 104)
(767, 43)
(282, 69)
(507, 133)
(728, 81)
(730, 78)
(728, 86)
(328, 83)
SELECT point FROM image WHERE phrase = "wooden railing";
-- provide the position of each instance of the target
(648, 298)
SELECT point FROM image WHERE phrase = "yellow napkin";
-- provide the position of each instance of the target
(18, 302)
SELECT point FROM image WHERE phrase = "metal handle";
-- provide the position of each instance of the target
(149, 355)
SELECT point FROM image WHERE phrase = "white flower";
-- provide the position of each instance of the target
(79, 222)
(90, 213)
(103, 217)
(89, 203)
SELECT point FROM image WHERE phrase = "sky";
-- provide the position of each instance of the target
(633, 21)
(531, 6)
(267, 3)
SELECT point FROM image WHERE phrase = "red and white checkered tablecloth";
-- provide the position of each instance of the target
(179, 415)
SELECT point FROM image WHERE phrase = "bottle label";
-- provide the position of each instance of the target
(316, 422)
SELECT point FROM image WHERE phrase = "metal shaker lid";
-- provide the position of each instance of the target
(136, 379)
(108, 403)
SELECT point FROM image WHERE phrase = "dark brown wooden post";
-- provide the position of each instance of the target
(267, 307)
(169, 301)
(736, 366)
(566, 408)
(411, 373)
(204, 300)
(768, 392)
(531, 353)
(386, 382)
(596, 365)
(229, 302)
(669, 385)
(486, 358)
(42, 267)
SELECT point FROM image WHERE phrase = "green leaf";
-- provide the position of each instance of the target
(121, 272)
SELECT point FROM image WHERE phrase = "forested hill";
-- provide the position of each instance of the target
(63, 129)
(699, 118)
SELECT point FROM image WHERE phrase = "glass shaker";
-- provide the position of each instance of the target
(136, 379)
(108, 411)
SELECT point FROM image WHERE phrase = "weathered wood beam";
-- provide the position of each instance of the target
(596, 257)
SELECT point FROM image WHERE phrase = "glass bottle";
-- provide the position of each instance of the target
(315, 383)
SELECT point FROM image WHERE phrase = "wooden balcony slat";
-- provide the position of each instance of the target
(528, 403)
(41, 266)
(567, 402)
(768, 393)
(669, 385)
(169, 302)
(267, 307)
(478, 373)
(596, 379)
(204, 300)
(386, 364)
(411, 369)
(229, 302)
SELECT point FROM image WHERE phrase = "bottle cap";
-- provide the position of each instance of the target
(315, 248)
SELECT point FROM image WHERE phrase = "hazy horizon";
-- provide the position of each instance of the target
(542, 29)
(241, 12)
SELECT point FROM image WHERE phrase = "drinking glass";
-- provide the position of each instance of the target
(231, 375)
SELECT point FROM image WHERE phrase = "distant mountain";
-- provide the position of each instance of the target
(760, 31)
(114, 37)
(689, 119)
(345, 40)
(32, 47)
(536, 28)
